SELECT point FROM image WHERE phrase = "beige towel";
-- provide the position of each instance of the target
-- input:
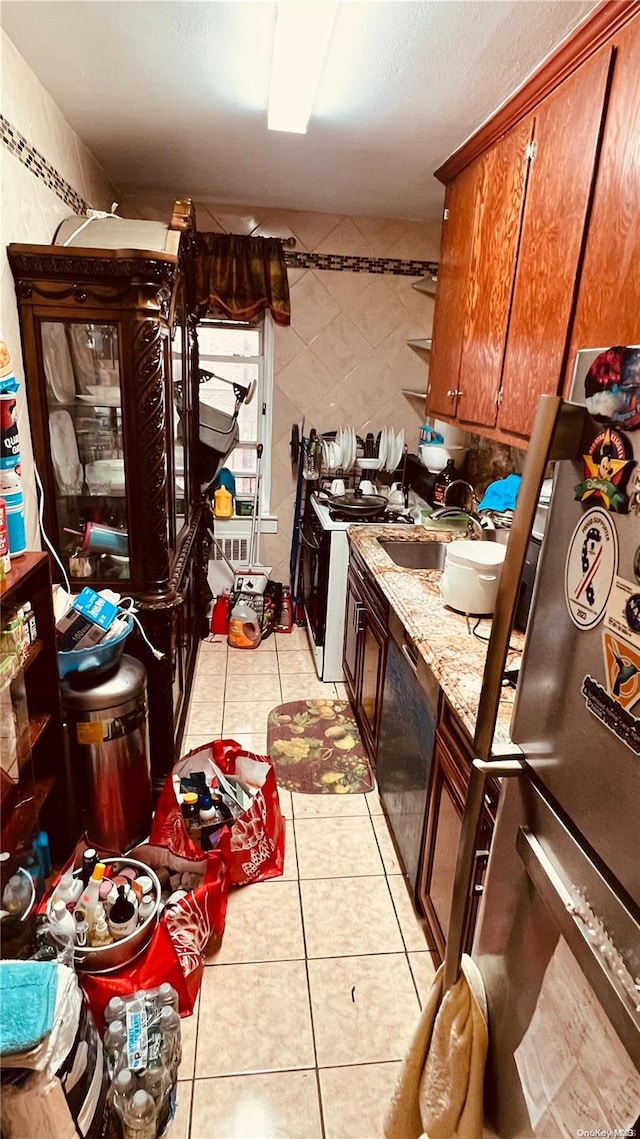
(439, 1094)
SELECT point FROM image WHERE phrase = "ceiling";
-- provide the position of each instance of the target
(171, 95)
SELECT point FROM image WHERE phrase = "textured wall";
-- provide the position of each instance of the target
(47, 174)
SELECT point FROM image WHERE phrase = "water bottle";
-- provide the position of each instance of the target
(115, 1041)
(139, 1116)
(115, 1010)
(122, 1090)
(171, 1039)
(167, 995)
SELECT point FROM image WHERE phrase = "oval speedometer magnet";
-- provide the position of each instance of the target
(592, 562)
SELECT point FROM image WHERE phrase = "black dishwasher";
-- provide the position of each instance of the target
(406, 745)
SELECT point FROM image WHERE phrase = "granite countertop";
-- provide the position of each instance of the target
(443, 638)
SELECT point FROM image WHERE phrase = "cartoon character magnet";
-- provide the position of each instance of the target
(612, 387)
(607, 467)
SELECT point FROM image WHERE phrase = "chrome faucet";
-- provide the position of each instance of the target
(477, 527)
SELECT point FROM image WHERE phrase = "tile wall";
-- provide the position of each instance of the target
(47, 174)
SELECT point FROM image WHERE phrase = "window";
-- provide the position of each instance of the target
(239, 354)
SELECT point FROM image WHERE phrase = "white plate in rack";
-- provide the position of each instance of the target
(382, 448)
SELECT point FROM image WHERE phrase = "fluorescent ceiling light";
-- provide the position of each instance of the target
(301, 39)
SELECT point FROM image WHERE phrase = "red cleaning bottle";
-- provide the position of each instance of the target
(220, 614)
(285, 620)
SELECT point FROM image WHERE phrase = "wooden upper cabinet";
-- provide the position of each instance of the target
(451, 295)
(566, 133)
(498, 203)
(608, 306)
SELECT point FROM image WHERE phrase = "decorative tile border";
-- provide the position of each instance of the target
(17, 144)
(337, 262)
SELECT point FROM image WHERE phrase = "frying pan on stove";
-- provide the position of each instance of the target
(355, 504)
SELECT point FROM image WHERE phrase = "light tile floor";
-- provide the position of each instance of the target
(306, 1010)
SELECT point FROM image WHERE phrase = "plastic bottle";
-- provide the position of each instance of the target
(285, 620)
(139, 1117)
(99, 934)
(89, 863)
(146, 907)
(122, 916)
(167, 995)
(17, 895)
(220, 614)
(122, 1089)
(68, 889)
(90, 897)
(61, 920)
(222, 503)
(115, 1041)
(189, 809)
(244, 627)
(115, 1010)
(171, 1038)
(443, 480)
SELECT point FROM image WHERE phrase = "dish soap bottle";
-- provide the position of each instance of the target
(444, 479)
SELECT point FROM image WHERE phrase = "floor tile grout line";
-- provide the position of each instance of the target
(292, 1071)
(306, 969)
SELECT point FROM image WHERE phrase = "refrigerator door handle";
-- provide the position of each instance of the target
(561, 431)
(600, 962)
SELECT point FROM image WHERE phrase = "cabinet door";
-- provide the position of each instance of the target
(608, 300)
(498, 206)
(451, 293)
(351, 635)
(374, 646)
(567, 130)
(444, 823)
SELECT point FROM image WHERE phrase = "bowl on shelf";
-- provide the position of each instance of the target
(435, 457)
(369, 464)
(95, 659)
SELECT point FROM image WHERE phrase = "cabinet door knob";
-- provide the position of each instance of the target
(452, 393)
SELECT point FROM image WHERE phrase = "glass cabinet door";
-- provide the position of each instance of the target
(82, 372)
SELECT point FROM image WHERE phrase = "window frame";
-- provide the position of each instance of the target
(263, 396)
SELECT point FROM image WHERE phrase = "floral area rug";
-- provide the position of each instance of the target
(315, 748)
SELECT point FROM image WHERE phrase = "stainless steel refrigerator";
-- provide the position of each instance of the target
(558, 936)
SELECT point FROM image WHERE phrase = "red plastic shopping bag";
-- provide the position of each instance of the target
(177, 947)
(176, 951)
(257, 837)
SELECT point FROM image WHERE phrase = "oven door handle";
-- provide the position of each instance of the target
(310, 545)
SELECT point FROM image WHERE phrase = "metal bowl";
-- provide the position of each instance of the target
(108, 958)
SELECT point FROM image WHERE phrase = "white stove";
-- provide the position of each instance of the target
(325, 561)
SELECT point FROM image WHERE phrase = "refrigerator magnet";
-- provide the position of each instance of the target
(611, 714)
(622, 669)
(590, 568)
(612, 387)
(607, 468)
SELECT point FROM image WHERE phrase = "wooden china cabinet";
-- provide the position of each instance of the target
(110, 354)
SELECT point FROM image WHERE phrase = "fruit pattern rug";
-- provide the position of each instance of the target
(316, 749)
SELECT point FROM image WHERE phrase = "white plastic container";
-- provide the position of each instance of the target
(471, 576)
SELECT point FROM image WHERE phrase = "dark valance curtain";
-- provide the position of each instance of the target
(239, 277)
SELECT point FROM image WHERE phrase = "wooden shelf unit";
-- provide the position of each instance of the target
(36, 794)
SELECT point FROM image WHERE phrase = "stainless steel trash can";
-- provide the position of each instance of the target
(109, 745)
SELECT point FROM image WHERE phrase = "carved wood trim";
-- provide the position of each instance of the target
(607, 19)
(33, 262)
(148, 387)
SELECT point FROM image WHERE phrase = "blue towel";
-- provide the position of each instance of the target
(501, 495)
(28, 998)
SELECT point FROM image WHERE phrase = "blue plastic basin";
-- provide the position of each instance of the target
(96, 659)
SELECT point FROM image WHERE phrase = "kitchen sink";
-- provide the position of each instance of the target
(415, 555)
